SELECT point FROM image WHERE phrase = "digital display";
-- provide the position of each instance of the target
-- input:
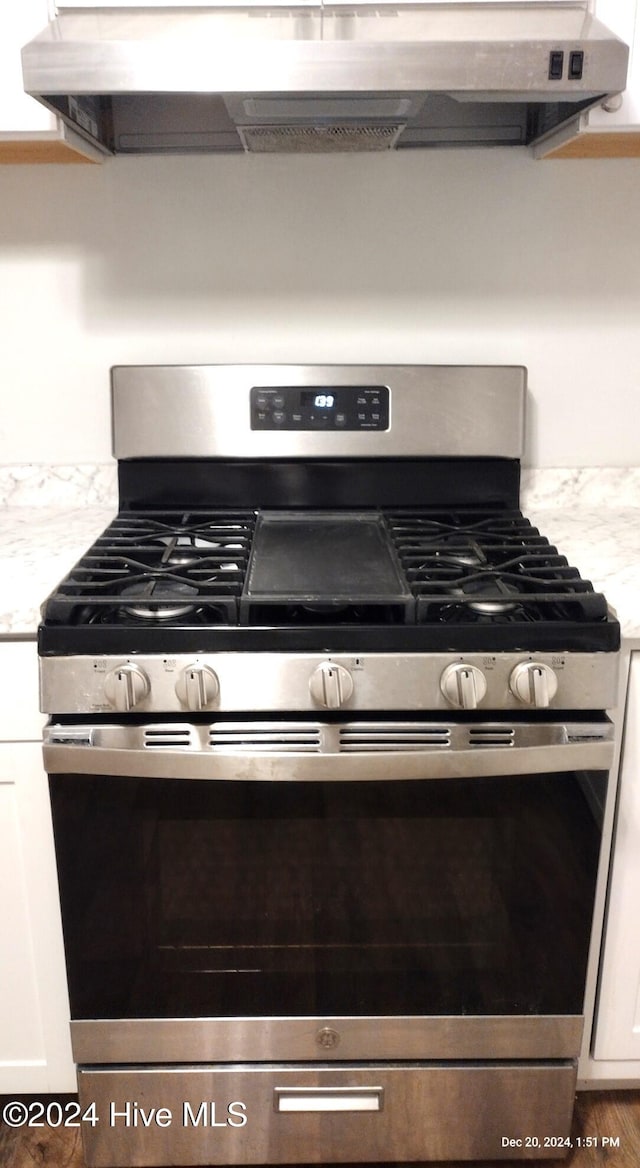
(317, 399)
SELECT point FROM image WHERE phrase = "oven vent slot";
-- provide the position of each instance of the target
(491, 736)
(170, 737)
(258, 737)
(395, 736)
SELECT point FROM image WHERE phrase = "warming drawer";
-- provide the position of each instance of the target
(264, 1113)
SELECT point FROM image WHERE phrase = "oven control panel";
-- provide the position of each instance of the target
(320, 407)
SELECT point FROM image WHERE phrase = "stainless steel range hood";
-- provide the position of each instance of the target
(309, 78)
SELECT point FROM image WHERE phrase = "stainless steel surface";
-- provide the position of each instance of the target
(432, 1112)
(180, 1040)
(280, 681)
(202, 411)
(214, 79)
(329, 752)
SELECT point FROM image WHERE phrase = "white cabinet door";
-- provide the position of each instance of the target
(20, 718)
(28, 131)
(35, 1049)
(618, 1022)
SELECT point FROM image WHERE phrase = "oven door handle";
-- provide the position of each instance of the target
(295, 751)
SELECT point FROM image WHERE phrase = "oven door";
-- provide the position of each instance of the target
(379, 890)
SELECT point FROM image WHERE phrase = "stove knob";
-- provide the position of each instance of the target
(463, 685)
(533, 683)
(197, 687)
(126, 686)
(331, 685)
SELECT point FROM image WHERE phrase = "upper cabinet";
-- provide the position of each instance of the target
(613, 132)
(28, 131)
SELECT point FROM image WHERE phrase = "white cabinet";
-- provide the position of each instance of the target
(618, 1022)
(602, 134)
(35, 1049)
(28, 131)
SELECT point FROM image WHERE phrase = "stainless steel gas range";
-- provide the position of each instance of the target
(329, 759)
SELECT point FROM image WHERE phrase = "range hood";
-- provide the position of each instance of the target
(306, 78)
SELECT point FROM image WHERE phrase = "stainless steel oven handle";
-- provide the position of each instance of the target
(280, 751)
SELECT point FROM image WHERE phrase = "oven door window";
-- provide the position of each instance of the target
(185, 899)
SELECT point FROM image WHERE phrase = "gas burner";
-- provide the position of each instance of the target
(482, 598)
(167, 593)
(201, 541)
(486, 602)
(460, 552)
(180, 559)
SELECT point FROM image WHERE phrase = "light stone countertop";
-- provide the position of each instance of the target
(38, 547)
(591, 515)
(603, 543)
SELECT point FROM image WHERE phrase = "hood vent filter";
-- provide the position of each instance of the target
(317, 139)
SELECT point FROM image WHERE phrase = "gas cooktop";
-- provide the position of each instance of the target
(376, 578)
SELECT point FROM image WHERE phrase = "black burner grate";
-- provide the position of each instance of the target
(160, 567)
(496, 567)
(454, 579)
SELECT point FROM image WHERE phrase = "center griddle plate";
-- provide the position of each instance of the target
(327, 559)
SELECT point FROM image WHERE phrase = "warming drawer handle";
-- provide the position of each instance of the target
(328, 1098)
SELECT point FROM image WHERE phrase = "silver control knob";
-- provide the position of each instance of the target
(533, 683)
(126, 686)
(464, 686)
(197, 687)
(331, 685)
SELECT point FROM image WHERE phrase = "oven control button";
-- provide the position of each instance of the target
(533, 683)
(197, 687)
(464, 686)
(331, 685)
(126, 686)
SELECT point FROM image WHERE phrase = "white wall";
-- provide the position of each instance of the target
(459, 256)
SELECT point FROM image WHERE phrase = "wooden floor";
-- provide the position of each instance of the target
(610, 1118)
